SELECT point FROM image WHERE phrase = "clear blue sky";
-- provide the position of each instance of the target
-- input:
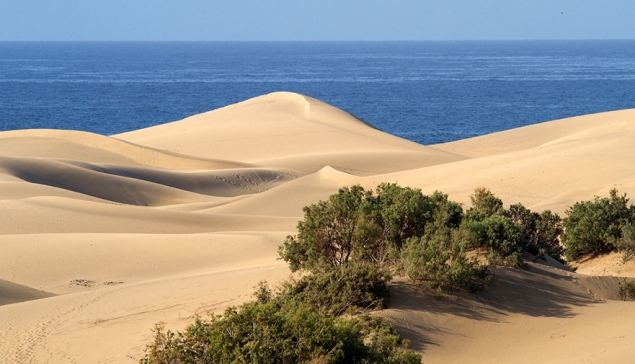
(315, 19)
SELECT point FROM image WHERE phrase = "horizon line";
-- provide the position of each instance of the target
(312, 41)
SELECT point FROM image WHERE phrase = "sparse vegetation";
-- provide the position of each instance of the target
(627, 289)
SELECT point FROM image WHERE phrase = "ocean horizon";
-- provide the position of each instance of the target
(425, 91)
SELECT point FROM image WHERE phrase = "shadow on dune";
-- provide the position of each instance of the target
(538, 291)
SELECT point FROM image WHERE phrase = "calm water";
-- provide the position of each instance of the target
(428, 92)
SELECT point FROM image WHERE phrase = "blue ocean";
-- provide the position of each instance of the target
(428, 92)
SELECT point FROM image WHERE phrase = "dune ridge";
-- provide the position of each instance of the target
(101, 237)
(289, 130)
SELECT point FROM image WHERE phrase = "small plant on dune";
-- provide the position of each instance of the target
(486, 203)
(507, 232)
(627, 289)
(330, 232)
(626, 243)
(501, 237)
(487, 225)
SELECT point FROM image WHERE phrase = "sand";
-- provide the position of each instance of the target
(102, 237)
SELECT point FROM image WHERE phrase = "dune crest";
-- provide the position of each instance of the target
(95, 148)
(281, 129)
(556, 168)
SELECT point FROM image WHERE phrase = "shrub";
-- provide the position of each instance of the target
(355, 225)
(627, 289)
(330, 232)
(399, 213)
(592, 227)
(354, 288)
(484, 202)
(280, 330)
(440, 262)
(500, 236)
(540, 232)
(626, 243)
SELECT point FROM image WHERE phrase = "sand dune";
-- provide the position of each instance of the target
(101, 237)
(289, 199)
(542, 315)
(551, 173)
(289, 130)
(89, 147)
(13, 293)
(142, 186)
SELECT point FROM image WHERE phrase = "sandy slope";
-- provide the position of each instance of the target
(101, 237)
(542, 315)
(289, 130)
(542, 166)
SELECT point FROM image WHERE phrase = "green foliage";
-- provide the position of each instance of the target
(500, 236)
(346, 247)
(439, 261)
(355, 225)
(540, 232)
(626, 243)
(394, 214)
(354, 288)
(627, 289)
(330, 232)
(485, 203)
(592, 227)
(280, 330)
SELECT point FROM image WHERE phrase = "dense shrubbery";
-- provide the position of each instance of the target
(393, 227)
(357, 225)
(348, 246)
(439, 261)
(596, 227)
(353, 288)
(277, 329)
(540, 232)
(429, 237)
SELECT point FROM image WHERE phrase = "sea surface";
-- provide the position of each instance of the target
(428, 92)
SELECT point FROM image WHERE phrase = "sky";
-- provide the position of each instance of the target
(310, 20)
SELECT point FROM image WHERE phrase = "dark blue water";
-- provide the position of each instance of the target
(428, 92)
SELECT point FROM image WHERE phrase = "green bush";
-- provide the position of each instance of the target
(485, 203)
(439, 261)
(540, 232)
(500, 236)
(280, 330)
(592, 227)
(354, 288)
(330, 232)
(356, 225)
(627, 289)
(626, 243)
